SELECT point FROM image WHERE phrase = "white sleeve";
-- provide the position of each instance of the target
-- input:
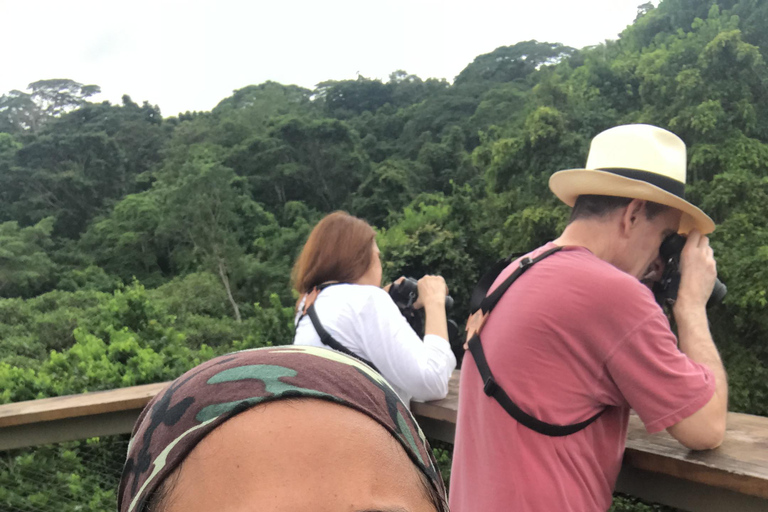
(421, 368)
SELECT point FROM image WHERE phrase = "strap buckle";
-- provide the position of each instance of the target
(490, 386)
(526, 262)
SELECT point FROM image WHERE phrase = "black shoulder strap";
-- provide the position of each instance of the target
(485, 282)
(327, 339)
(490, 301)
(491, 388)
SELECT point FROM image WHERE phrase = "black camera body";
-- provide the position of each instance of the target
(667, 287)
(404, 294)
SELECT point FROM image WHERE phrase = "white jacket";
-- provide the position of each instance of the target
(365, 320)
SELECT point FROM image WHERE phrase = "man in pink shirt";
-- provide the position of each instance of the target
(578, 338)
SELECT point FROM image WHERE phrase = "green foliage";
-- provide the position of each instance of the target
(89, 278)
(622, 503)
(99, 341)
(355, 96)
(199, 293)
(20, 111)
(747, 378)
(84, 476)
(25, 267)
(250, 110)
(512, 63)
(127, 243)
(319, 162)
(81, 162)
(443, 453)
(389, 188)
(426, 240)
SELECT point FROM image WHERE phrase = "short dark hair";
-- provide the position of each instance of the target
(157, 501)
(589, 206)
(433, 495)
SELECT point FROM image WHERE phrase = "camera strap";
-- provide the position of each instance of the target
(490, 387)
(325, 336)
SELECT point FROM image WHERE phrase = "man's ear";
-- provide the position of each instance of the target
(631, 215)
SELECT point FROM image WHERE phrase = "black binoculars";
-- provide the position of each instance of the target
(667, 287)
(404, 294)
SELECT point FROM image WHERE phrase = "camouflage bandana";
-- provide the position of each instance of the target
(193, 405)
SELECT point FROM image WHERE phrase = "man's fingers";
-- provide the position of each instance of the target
(694, 237)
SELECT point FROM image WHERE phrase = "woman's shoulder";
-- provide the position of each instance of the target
(361, 305)
(359, 295)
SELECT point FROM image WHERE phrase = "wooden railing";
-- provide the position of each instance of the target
(732, 478)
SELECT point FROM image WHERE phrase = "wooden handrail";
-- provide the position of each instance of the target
(74, 406)
(739, 467)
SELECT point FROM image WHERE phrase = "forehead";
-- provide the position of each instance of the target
(342, 459)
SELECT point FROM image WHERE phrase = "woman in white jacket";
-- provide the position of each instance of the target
(342, 306)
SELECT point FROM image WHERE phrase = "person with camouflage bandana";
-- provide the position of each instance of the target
(279, 429)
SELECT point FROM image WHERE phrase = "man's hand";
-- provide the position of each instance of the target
(698, 271)
(705, 428)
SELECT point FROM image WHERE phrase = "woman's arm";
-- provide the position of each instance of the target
(421, 368)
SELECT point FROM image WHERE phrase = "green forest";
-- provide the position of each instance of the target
(134, 246)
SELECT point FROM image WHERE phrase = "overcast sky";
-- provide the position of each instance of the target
(189, 55)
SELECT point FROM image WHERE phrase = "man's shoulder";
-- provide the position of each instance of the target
(578, 267)
(567, 263)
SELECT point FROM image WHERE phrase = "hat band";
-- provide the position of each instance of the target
(670, 185)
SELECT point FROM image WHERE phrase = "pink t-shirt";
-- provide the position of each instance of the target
(571, 336)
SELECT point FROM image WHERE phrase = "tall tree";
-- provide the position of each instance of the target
(204, 208)
(511, 63)
(58, 96)
(19, 113)
(319, 162)
(47, 99)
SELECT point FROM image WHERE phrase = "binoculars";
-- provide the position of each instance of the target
(404, 294)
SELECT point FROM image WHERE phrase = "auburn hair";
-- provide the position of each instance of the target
(339, 248)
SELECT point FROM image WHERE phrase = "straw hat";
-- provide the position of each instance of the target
(638, 161)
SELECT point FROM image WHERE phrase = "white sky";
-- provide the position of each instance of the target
(189, 55)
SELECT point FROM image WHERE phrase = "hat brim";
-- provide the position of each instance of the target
(569, 184)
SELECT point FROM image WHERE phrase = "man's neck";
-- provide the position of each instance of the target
(596, 235)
